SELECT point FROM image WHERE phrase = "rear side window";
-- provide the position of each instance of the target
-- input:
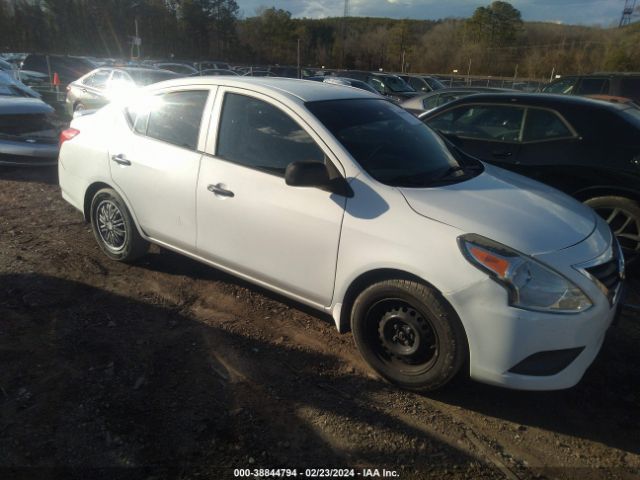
(630, 88)
(175, 118)
(258, 135)
(593, 86)
(485, 122)
(544, 125)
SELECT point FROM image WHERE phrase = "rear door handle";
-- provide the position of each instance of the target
(120, 159)
(220, 191)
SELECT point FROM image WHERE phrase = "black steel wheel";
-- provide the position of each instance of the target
(408, 334)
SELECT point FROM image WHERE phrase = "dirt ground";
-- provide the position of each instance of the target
(171, 369)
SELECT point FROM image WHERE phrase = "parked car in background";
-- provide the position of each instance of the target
(385, 84)
(28, 132)
(68, 69)
(616, 84)
(303, 187)
(211, 65)
(422, 83)
(99, 87)
(349, 82)
(587, 148)
(429, 101)
(259, 73)
(214, 72)
(179, 68)
(11, 87)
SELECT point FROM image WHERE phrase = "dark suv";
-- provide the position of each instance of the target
(391, 86)
(67, 68)
(625, 85)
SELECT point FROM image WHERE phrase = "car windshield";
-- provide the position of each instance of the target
(389, 143)
(143, 78)
(396, 84)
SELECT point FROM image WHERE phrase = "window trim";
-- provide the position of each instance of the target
(204, 121)
(211, 146)
(520, 140)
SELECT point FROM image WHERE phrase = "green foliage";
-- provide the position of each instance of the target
(492, 42)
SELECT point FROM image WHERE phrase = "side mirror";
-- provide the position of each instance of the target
(316, 174)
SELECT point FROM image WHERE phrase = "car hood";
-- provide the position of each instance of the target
(508, 208)
(23, 106)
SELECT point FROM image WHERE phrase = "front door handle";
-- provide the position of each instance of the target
(220, 191)
(502, 154)
(120, 159)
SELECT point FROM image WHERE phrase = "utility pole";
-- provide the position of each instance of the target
(344, 31)
(627, 12)
(299, 70)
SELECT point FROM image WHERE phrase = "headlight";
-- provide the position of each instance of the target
(531, 285)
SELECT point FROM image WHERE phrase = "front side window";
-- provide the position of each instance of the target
(431, 102)
(544, 125)
(564, 86)
(174, 118)
(484, 122)
(256, 134)
(593, 86)
(389, 143)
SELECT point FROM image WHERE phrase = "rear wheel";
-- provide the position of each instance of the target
(408, 334)
(114, 229)
(623, 216)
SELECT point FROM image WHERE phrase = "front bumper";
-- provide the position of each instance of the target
(529, 350)
(501, 337)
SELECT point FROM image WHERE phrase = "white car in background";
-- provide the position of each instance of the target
(347, 203)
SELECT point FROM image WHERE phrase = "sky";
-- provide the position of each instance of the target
(585, 12)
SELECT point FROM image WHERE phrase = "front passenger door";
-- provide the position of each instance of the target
(249, 220)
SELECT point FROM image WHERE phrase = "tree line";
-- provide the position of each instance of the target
(494, 41)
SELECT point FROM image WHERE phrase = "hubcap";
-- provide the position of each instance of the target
(111, 227)
(625, 227)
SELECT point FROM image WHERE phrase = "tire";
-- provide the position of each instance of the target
(114, 229)
(623, 216)
(408, 334)
(78, 107)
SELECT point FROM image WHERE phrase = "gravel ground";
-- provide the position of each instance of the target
(170, 369)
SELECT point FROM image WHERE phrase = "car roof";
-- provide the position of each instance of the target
(536, 99)
(296, 90)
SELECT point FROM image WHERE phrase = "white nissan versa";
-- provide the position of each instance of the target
(345, 202)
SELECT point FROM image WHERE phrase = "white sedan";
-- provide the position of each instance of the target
(345, 202)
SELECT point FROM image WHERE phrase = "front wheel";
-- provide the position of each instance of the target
(623, 216)
(408, 334)
(113, 227)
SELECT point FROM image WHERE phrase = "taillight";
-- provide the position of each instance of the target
(68, 134)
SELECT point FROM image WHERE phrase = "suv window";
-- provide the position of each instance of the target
(176, 118)
(593, 86)
(564, 85)
(544, 125)
(97, 79)
(630, 88)
(486, 122)
(258, 135)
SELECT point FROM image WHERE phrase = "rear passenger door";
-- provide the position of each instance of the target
(249, 220)
(155, 160)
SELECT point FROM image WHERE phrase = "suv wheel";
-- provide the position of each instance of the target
(114, 229)
(623, 216)
(408, 334)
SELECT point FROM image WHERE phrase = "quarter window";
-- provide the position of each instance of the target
(485, 122)
(544, 125)
(258, 135)
(175, 118)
